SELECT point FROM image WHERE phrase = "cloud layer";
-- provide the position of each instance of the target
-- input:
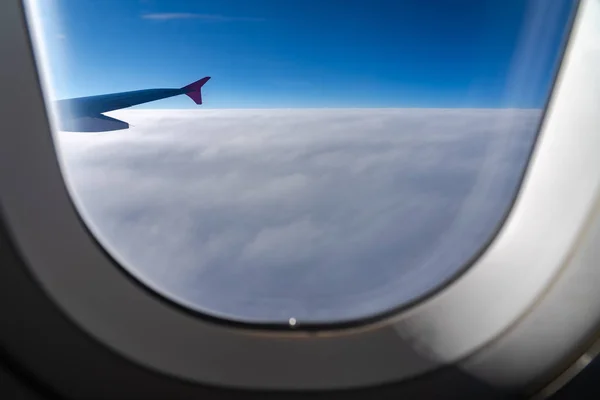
(201, 17)
(320, 215)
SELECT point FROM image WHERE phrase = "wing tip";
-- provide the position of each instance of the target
(193, 90)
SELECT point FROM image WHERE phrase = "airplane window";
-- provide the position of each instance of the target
(301, 162)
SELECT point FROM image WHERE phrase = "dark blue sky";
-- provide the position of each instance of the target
(310, 53)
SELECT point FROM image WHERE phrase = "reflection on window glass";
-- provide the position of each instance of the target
(345, 157)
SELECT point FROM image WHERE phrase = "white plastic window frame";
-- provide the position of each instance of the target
(478, 321)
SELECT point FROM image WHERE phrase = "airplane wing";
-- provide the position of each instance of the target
(84, 114)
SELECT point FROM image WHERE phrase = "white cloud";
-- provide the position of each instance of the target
(202, 17)
(298, 213)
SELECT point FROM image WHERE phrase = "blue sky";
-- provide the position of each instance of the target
(310, 53)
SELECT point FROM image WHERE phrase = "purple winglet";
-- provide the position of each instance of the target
(193, 90)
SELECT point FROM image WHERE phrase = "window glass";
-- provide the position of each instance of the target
(344, 159)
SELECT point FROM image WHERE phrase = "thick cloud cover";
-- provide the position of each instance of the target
(313, 214)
